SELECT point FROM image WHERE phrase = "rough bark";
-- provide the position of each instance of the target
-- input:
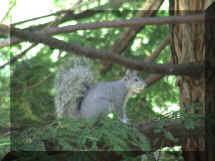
(188, 46)
(210, 79)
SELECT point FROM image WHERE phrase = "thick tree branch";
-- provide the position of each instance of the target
(169, 69)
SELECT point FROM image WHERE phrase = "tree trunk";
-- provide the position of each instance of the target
(188, 46)
(210, 79)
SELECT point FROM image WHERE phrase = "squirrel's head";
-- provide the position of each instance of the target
(133, 82)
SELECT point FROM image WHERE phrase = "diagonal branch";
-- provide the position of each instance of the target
(153, 56)
(148, 9)
(156, 53)
(15, 58)
(194, 70)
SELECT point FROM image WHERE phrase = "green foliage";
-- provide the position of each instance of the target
(4, 145)
(189, 120)
(105, 135)
(31, 100)
(93, 135)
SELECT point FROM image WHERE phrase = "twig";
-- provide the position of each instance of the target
(36, 84)
(79, 5)
(156, 53)
(8, 12)
(53, 14)
(153, 78)
(15, 58)
(69, 11)
(40, 17)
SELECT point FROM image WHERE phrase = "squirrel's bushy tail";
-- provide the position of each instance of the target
(71, 83)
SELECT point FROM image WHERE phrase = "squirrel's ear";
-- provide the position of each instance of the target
(129, 74)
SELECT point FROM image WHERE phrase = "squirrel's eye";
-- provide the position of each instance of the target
(136, 79)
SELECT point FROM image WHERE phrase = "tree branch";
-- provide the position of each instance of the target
(153, 78)
(127, 23)
(15, 58)
(40, 17)
(156, 53)
(194, 70)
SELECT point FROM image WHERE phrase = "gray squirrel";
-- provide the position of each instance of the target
(77, 96)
